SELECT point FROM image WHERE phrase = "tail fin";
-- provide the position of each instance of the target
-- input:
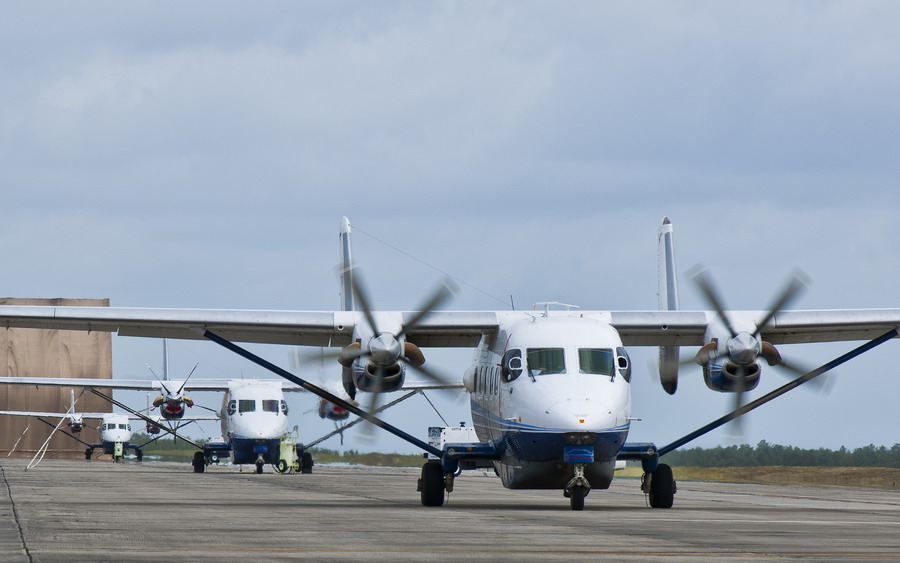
(668, 301)
(346, 268)
(165, 363)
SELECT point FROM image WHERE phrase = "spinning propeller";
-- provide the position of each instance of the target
(386, 352)
(745, 346)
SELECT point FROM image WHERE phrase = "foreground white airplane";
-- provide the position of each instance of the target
(550, 391)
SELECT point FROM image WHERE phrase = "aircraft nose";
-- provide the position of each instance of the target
(584, 413)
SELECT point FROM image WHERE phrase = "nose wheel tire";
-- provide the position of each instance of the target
(576, 497)
(259, 468)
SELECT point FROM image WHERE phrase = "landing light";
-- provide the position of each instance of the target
(580, 438)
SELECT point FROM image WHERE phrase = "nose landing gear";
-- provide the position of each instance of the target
(577, 488)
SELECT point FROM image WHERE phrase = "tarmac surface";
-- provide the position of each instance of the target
(100, 511)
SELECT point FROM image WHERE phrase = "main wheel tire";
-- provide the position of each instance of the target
(432, 484)
(88, 453)
(662, 487)
(576, 497)
(199, 462)
(140, 455)
(259, 468)
(306, 463)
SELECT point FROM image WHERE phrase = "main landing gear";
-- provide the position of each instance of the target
(433, 483)
(659, 486)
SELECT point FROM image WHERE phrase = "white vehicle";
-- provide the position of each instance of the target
(550, 390)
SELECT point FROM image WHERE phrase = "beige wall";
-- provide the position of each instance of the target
(26, 352)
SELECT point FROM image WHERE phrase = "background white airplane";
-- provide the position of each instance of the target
(115, 429)
(550, 390)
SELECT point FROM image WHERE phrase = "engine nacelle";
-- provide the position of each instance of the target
(152, 429)
(726, 378)
(331, 411)
(392, 377)
(76, 427)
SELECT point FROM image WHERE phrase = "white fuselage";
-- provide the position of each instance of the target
(254, 419)
(541, 381)
(115, 427)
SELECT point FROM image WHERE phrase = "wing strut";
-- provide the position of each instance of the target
(778, 392)
(321, 393)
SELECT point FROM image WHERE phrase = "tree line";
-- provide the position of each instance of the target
(765, 454)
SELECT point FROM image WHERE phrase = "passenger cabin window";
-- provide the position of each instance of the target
(595, 360)
(246, 405)
(270, 405)
(543, 361)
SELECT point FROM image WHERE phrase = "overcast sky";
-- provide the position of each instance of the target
(202, 155)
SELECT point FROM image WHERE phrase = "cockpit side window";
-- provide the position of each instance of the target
(246, 405)
(623, 363)
(595, 360)
(543, 361)
(511, 365)
(284, 407)
(270, 405)
(232, 407)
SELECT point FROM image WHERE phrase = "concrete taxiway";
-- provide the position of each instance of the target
(100, 511)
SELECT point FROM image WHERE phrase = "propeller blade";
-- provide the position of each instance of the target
(798, 282)
(444, 292)
(180, 389)
(822, 384)
(430, 374)
(737, 425)
(707, 288)
(363, 299)
(368, 428)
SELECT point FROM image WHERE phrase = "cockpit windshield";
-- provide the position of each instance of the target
(270, 405)
(246, 405)
(595, 360)
(543, 361)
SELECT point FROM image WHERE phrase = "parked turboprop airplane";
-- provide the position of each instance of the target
(550, 390)
(115, 429)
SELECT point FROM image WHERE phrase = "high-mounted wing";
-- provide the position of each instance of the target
(687, 328)
(440, 328)
(300, 328)
(129, 384)
(97, 415)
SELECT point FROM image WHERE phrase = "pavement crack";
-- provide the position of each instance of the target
(12, 504)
